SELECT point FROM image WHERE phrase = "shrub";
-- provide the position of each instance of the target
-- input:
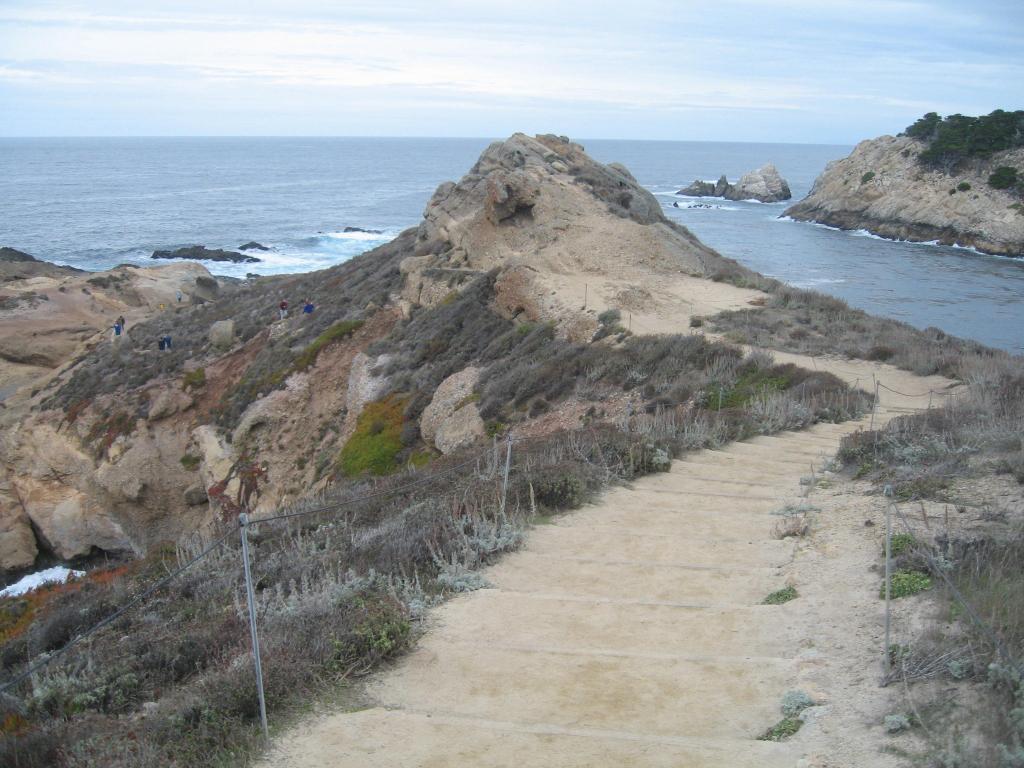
(194, 379)
(906, 583)
(963, 186)
(795, 702)
(902, 542)
(896, 723)
(190, 462)
(1004, 177)
(377, 439)
(696, 321)
(559, 489)
(867, 177)
(609, 317)
(780, 596)
(782, 730)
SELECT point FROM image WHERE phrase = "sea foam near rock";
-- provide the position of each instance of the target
(56, 575)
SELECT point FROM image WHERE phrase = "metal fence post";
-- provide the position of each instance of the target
(874, 405)
(888, 584)
(243, 522)
(508, 463)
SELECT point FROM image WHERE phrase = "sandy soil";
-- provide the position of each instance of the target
(652, 303)
(631, 632)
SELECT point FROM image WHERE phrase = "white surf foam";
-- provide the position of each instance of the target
(56, 575)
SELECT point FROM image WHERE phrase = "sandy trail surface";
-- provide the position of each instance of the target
(631, 633)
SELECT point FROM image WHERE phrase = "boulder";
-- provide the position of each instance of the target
(508, 194)
(252, 245)
(360, 229)
(451, 395)
(202, 253)
(18, 548)
(206, 288)
(195, 495)
(222, 334)
(167, 402)
(462, 428)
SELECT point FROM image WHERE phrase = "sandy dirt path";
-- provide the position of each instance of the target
(631, 633)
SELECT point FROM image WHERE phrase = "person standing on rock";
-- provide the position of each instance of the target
(308, 308)
(117, 329)
(123, 323)
(282, 308)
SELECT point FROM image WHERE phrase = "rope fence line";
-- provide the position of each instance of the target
(938, 570)
(243, 525)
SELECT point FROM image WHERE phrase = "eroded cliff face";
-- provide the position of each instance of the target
(122, 448)
(880, 187)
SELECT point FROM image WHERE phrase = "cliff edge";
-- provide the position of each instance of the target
(881, 187)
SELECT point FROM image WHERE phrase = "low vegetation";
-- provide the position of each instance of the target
(812, 323)
(780, 596)
(958, 466)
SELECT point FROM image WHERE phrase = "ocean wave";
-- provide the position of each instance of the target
(362, 235)
(693, 203)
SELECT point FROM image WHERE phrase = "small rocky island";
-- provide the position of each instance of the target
(202, 253)
(764, 185)
(954, 181)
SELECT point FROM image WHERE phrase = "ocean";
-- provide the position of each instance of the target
(95, 203)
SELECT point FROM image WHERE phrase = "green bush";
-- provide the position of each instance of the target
(1004, 177)
(867, 177)
(963, 186)
(780, 596)
(782, 730)
(560, 490)
(190, 462)
(907, 583)
(609, 317)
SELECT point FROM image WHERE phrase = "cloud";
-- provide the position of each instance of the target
(733, 57)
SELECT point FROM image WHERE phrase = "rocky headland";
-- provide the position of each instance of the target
(883, 188)
(765, 185)
(117, 446)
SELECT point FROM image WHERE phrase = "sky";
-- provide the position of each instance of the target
(818, 71)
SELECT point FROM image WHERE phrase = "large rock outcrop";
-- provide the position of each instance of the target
(538, 207)
(882, 188)
(765, 185)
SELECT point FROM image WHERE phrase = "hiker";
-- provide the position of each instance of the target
(165, 342)
(282, 308)
(117, 330)
(179, 296)
(123, 323)
(308, 308)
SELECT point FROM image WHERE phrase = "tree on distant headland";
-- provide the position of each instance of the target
(957, 137)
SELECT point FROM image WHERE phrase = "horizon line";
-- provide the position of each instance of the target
(409, 137)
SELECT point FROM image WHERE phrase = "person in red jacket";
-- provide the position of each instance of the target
(282, 308)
